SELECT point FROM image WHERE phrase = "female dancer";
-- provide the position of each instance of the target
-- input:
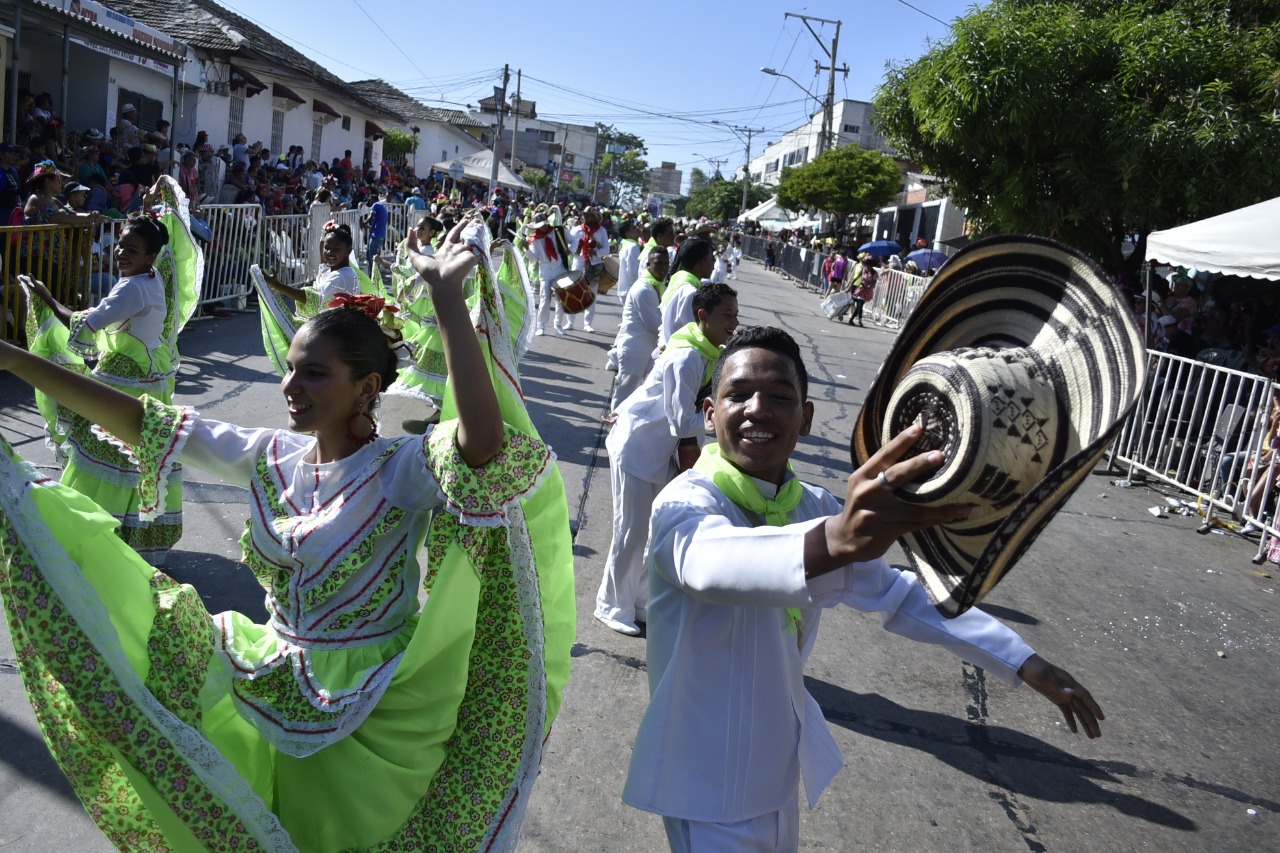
(337, 275)
(352, 720)
(133, 334)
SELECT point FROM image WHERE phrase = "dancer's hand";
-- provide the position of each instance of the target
(1072, 699)
(36, 286)
(451, 263)
(873, 517)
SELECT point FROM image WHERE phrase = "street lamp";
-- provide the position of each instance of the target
(822, 142)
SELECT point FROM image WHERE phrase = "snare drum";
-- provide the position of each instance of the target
(608, 275)
(573, 292)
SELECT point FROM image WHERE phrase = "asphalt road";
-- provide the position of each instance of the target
(1176, 635)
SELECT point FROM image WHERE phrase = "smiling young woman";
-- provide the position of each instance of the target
(351, 719)
(133, 335)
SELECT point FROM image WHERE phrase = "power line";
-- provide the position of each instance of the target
(390, 39)
(923, 12)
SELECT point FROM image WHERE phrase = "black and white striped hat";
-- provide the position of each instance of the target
(1022, 361)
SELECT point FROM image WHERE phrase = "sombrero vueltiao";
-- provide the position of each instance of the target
(1022, 362)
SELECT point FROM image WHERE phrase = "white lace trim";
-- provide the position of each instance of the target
(524, 572)
(86, 609)
(349, 707)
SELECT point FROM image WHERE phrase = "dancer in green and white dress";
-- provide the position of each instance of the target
(133, 336)
(354, 718)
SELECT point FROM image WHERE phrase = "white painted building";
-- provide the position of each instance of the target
(564, 150)
(253, 83)
(852, 122)
(440, 134)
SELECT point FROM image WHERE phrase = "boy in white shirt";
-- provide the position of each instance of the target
(742, 558)
(649, 428)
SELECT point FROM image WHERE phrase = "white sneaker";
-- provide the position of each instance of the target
(1250, 529)
(627, 628)
(539, 333)
(588, 328)
(559, 332)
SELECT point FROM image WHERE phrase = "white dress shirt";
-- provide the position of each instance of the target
(662, 411)
(730, 729)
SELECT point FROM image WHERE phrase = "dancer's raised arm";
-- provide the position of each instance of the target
(479, 418)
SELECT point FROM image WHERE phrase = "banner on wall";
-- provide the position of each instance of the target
(105, 16)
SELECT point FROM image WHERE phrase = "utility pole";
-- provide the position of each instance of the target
(828, 109)
(497, 136)
(515, 122)
(716, 163)
(746, 169)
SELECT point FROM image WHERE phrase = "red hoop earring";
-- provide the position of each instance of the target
(373, 427)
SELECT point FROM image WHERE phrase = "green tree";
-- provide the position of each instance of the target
(697, 179)
(627, 172)
(398, 142)
(1095, 119)
(675, 206)
(722, 200)
(538, 179)
(842, 181)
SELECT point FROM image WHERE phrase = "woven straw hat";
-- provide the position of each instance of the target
(1022, 361)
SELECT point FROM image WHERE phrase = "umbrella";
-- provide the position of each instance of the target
(928, 259)
(880, 248)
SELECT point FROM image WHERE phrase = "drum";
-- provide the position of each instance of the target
(608, 275)
(573, 292)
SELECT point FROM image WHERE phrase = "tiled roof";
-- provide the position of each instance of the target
(204, 24)
(396, 100)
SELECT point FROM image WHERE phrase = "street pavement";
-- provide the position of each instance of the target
(1175, 634)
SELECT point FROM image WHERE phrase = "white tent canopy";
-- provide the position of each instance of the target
(1242, 242)
(770, 216)
(479, 167)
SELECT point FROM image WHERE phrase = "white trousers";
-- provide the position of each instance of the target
(633, 367)
(547, 300)
(774, 832)
(624, 589)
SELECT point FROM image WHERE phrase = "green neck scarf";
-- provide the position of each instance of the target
(692, 336)
(677, 279)
(646, 277)
(739, 488)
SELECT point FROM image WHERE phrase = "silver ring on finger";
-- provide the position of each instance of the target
(884, 482)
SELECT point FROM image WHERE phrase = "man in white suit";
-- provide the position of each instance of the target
(742, 558)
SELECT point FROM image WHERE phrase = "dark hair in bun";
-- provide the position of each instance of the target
(359, 340)
(153, 232)
(343, 233)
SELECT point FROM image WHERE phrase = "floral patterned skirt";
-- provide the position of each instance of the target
(123, 668)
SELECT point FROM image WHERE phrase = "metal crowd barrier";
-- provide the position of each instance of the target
(1202, 428)
(237, 245)
(285, 247)
(58, 255)
(896, 295)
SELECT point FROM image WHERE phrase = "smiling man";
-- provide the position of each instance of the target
(742, 558)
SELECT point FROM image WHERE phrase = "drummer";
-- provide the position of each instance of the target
(590, 243)
(550, 255)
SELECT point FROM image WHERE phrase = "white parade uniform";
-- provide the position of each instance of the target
(549, 269)
(642, 459)
(730, 729)
(637, 337)
(628, 267)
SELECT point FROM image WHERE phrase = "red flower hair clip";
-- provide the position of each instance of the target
(331, 225)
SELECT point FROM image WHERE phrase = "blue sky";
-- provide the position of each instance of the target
(658, 69)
